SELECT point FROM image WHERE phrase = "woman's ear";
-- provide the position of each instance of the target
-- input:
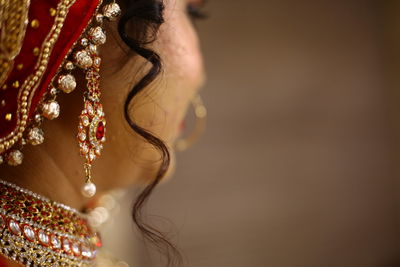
(115, 53)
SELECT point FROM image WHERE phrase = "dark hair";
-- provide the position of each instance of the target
(146, 16)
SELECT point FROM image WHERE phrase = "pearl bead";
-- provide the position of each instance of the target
(83, 59)
(89, 190)
(51, 110)
(35, 136)
(15, 158)
(67, 83)
(97, 35)
(112, 11)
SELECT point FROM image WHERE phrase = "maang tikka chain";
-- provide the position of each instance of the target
(92, 124)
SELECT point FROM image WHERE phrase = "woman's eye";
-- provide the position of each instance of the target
(194, 9)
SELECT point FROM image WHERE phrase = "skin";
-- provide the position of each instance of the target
(55, 169)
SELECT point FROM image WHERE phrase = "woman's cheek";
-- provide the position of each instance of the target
(178, 45)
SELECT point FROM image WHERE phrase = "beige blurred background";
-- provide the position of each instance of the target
(298, 167)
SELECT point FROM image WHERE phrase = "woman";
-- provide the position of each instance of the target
(109, 54)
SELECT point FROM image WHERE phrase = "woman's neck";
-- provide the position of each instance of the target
(50, 169)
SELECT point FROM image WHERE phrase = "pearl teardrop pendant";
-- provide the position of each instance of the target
(88, 190)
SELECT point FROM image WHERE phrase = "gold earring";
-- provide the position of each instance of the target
(200, 112)
(92, 123)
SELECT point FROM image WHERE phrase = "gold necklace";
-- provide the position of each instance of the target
(36, 231)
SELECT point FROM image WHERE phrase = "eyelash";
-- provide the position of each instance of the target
(195, 12)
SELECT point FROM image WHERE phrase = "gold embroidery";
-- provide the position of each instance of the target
(13, 21)
(52, 12)
(31, 83)
(15, 84)
(35, 24)
(8, 116)
(36, 51)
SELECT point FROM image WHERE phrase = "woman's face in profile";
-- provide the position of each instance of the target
(160, 108)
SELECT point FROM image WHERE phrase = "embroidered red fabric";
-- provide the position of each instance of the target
(76, 21)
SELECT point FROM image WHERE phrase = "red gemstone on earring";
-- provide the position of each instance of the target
(100, 131)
